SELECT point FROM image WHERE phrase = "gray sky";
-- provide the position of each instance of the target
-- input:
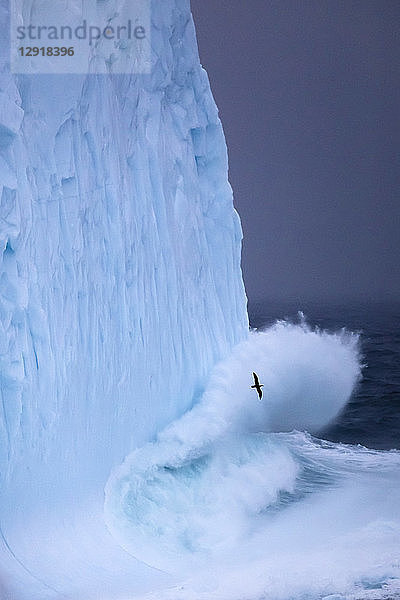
(308, 92)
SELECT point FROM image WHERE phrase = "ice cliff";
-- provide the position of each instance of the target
(120, 288)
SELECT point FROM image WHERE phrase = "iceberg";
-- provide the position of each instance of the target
(120, 281)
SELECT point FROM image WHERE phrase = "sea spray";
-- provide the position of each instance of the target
(209, 480)
(334, 536)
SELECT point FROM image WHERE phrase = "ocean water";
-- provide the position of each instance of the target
(295, 497)
(372, 416)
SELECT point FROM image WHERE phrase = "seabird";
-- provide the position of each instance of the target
(257, 385)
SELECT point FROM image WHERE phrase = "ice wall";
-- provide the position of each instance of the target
(120, 281)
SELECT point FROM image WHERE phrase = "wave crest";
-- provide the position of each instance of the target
(207, 482)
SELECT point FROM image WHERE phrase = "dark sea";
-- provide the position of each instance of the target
(372, 416)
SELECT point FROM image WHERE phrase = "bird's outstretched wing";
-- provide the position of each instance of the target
(257, 385)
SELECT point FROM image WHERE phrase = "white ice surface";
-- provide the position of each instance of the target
(120, 288)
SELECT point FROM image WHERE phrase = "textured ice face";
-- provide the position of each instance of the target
(120, 281)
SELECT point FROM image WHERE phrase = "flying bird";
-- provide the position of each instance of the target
(257, 385)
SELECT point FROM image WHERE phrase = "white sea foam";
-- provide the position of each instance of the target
(308, 376)
(234, 503)
(335, 536)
